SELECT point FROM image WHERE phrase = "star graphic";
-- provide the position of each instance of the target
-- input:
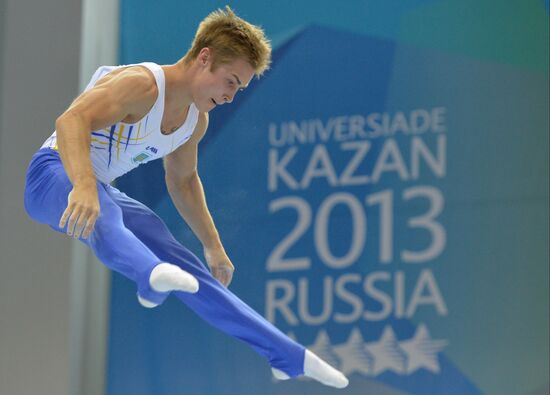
(387, 353)
(422, 351)
(354, 355)
(323, 349)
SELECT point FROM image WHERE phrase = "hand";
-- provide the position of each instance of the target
(82, 211)
(220, 265)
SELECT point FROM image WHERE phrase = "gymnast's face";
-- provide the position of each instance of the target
(216, 87)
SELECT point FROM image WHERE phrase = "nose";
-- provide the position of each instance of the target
(228, 98)
(230, 95)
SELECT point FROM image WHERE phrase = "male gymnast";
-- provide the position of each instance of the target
(132, 114)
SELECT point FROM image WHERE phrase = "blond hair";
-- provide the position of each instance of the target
(229, 38)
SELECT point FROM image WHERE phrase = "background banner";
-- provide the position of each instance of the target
(383, 204)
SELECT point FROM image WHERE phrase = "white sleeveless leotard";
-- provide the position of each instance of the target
(119, 148)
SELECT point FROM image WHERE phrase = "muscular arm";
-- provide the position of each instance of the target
(185, 189)
(114, 98)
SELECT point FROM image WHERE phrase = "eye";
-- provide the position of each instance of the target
(231, 83)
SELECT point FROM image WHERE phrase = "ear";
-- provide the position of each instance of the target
(205, 57)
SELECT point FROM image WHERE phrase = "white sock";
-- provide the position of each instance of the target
(319, 370)
(166, 277)
(279, 374)
(146, 303)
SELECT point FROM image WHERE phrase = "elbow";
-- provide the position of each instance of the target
(60, 121)
(70, 117)
(63, 118)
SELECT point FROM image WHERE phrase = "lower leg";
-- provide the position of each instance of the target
(119, 249)
(227, 312)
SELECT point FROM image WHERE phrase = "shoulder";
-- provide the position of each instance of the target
(143, 77)
(133, 78)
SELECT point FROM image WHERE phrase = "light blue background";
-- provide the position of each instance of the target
(493, 273)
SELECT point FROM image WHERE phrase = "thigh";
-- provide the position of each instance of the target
(47, 189)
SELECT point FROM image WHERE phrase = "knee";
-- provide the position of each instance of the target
(28, 206)
(33, 206)
(109, 218)
(45, 198)
(145, 219)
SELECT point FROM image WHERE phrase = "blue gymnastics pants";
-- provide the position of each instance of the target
(131, 239)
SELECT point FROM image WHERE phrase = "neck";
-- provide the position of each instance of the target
(178, 78)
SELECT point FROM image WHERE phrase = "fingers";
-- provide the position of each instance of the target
(226, 276)
(65, 216)
(80, 218)
(75, 215)
(223, 274)
(85, 224)
(89, 225)
(219, 274)
(216, 272)
(231, 271)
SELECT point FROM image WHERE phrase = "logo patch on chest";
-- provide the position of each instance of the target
(141, 157)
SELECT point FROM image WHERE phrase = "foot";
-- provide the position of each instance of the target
(166, 277)
(317, 369)
(321, 371)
